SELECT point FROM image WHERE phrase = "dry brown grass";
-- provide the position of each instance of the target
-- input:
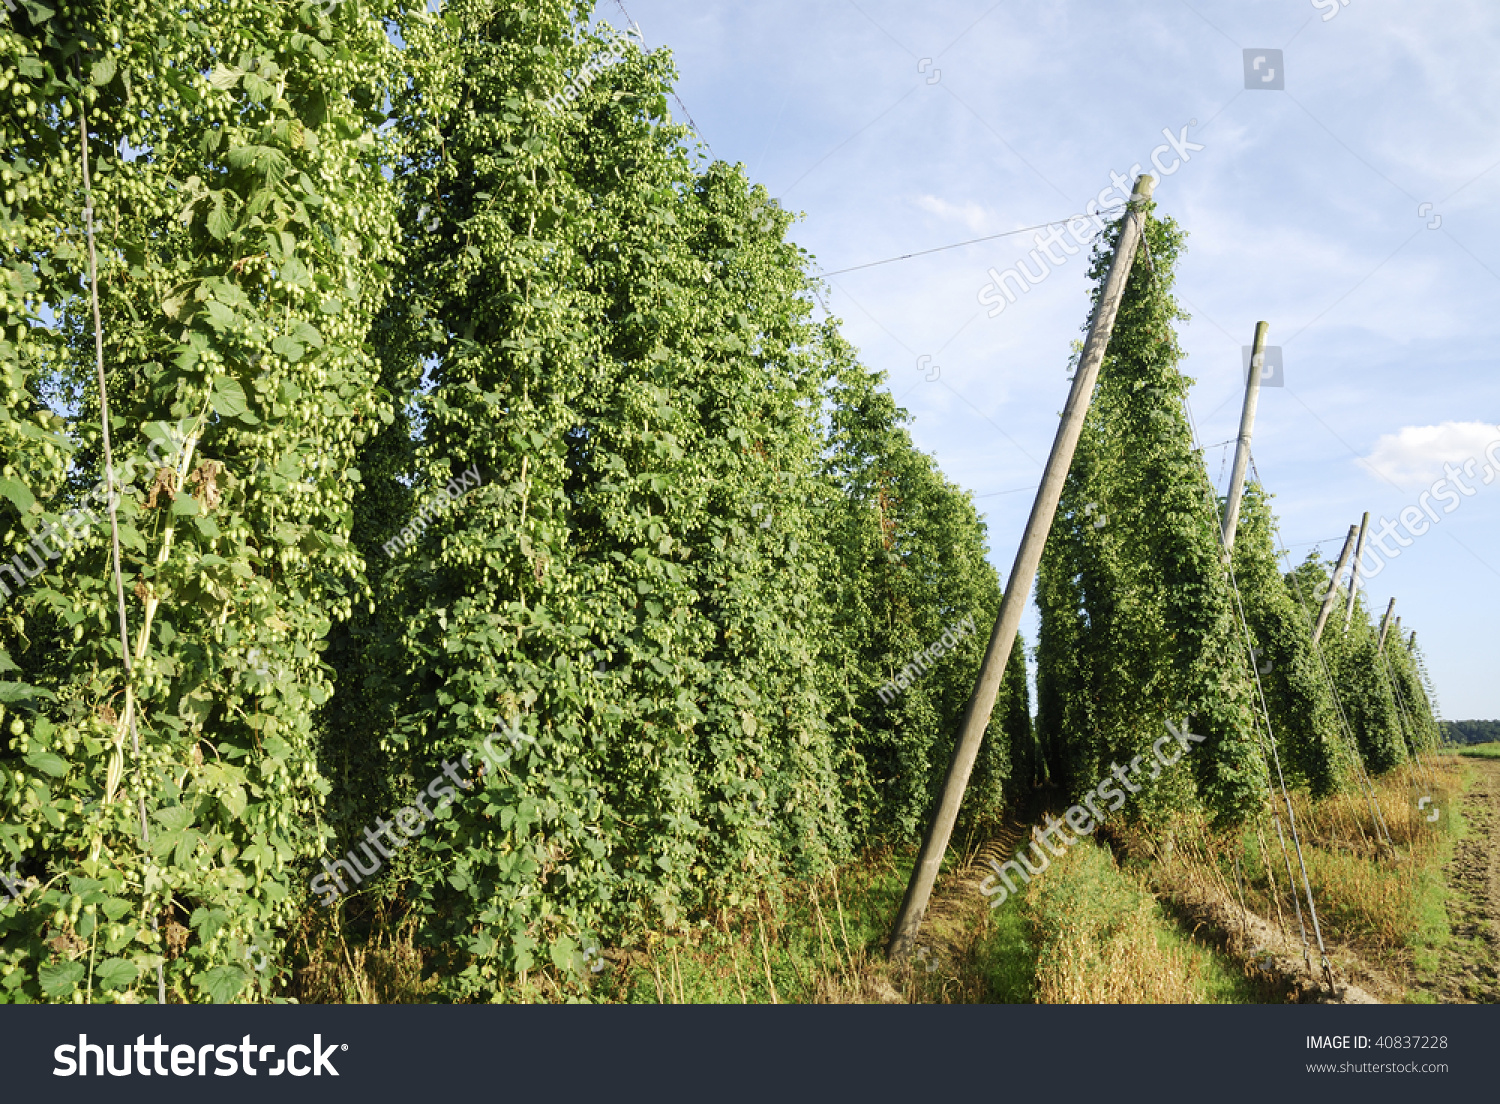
(1099, 937)
(1377, 898)
(1375, 903)
(383, 965)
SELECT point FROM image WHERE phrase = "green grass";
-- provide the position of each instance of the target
(1434, 932)
(986, 956)
(1006, 959)
(1216, 977)
(1481, 751)
(1082, 919)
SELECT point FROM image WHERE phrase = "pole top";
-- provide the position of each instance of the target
(1143, 186)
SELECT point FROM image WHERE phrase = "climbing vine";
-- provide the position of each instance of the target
(1138, 619)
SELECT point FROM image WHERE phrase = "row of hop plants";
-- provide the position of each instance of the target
(1146, 621)
(345, 254)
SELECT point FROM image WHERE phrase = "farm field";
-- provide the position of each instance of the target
(1105, 927)
(454, 556)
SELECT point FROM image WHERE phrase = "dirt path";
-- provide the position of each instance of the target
(1469, 970)
(1266, 950)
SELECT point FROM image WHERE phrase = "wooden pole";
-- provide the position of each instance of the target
(1247, 428)
(1359, 551)
(1022, 575)
(1333, 583)
(1385, 623)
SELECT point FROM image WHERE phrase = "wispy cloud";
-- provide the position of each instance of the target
(970, 215)
(1416, 454)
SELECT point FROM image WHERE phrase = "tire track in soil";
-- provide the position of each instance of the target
(1469, 963)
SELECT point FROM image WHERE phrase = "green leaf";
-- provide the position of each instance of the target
(565, 954)
(174, 818)
(224, 78)
(47, 763)
(20, 692)
(258, 88)
(220, 317)
(220, 222)
(61, 979)
(19, 496)
(234, 800)
(288, 349)
(228, 398)
(267, 160)
(116, 973)
(39, 12)
(306, 332)
(186, 845)
(221, 984)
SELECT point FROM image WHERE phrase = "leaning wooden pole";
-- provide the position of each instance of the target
(1385, 623)
(1247, 430)
(1022, 574)
(1333, 583)
(1359, 554)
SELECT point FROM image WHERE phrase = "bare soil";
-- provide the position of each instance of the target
(1469, 964)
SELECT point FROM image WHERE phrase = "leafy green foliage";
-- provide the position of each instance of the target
(348, 253)
(1363, 688)
(911, 566)
(1303, 717)
(1138, 619)
(650, 583)
(1403, 667)
(243, 222)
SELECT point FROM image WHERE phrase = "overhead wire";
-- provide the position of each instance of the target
(955, 245)
(696, 129)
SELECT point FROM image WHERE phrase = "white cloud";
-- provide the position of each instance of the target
(972, 215)
(1416, 454)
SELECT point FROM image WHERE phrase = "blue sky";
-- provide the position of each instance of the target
(1351, 209)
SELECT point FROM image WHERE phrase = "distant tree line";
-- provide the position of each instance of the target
(1470, 732)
